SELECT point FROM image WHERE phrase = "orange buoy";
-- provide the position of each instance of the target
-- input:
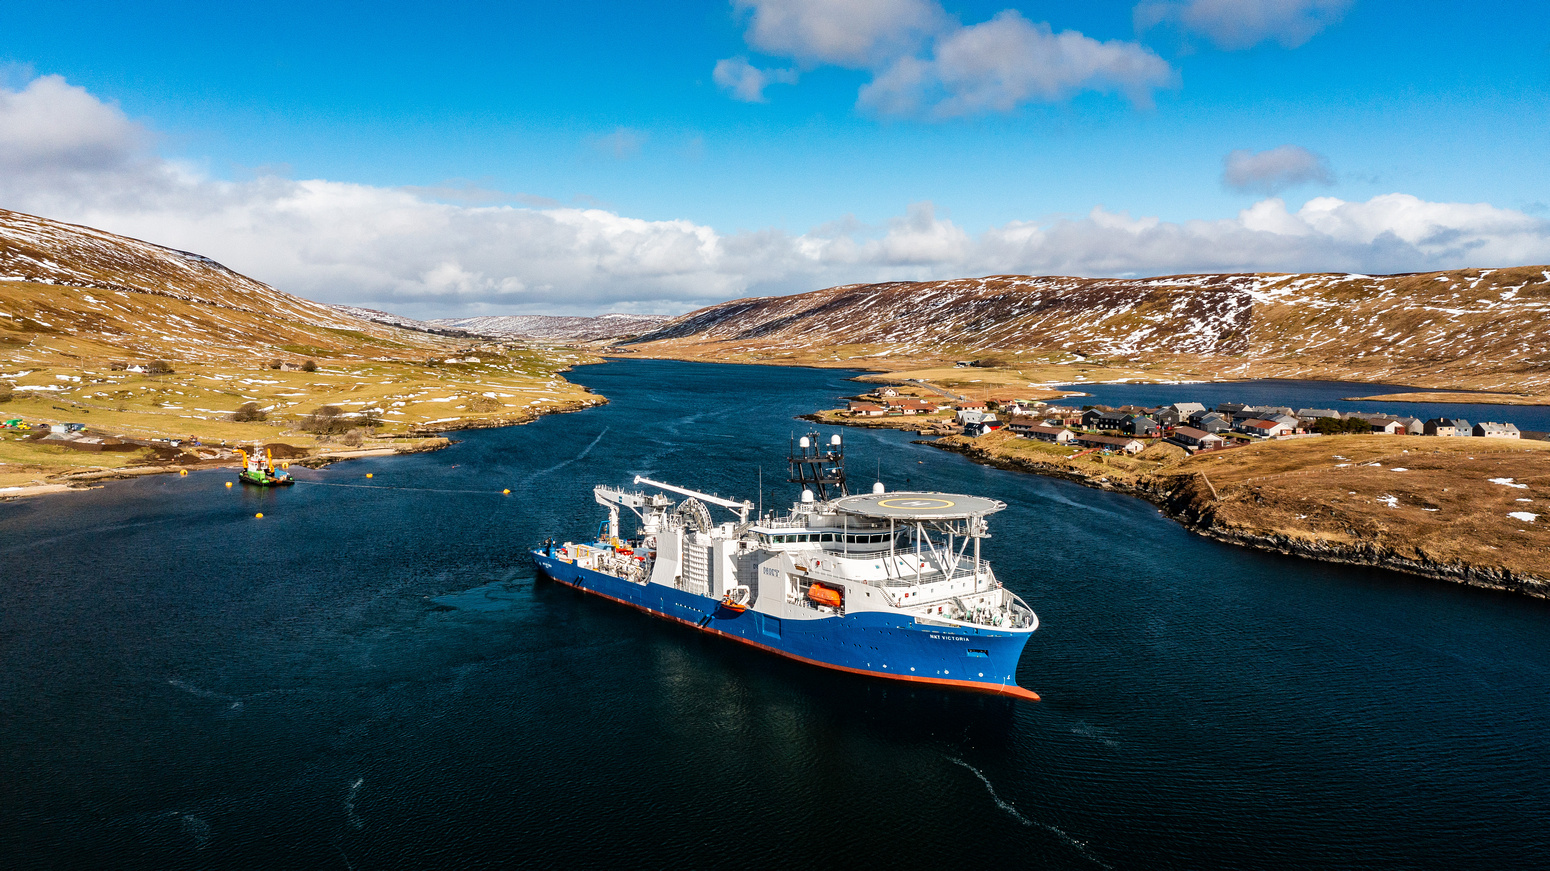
(228, 485)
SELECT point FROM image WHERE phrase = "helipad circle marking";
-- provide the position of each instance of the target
(917, 504)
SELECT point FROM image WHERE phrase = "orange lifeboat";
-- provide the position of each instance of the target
(824, 595)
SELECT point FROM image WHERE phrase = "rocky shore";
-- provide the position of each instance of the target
(1360, 509)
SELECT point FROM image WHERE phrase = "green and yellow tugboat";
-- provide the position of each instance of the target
(260, 471)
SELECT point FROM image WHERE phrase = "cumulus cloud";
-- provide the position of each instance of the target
(401, 250)
(854, 33)
(1008, 61)
(746, 82)
(927, 64)
(1238, 24)
(50, 126)
(1275, 169)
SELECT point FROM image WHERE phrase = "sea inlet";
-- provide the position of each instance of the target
(372, 676)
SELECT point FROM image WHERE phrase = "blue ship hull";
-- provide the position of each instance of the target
(865, 642)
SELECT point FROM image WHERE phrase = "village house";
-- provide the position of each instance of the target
(1111, 443)
(1413, 425)
(1264, 428)
(887, 392)
(1141, 425)
(1447, 426)
(970, 405)
(866, 409)
(1028, 429)
(912, 405)
(1167, 416)
(1496, 430)
(1195, 439)
(969, 417)
(1212, 421)
(1105, 420)
(1230, 410)
(1310, 416)
(1188, 409)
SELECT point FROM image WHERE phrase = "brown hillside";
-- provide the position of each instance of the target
(1473, 328)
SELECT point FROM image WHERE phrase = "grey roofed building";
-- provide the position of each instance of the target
(1212, 422)
(1140, 425)
(1195, 438)
(1413, 425)
(1230, 409)
(1128, 445)
(1056, 434)
(1095, 419)
(1266, 412)
(1496, 430)
(1185, 409)
(1448, 426)
(1311, 414)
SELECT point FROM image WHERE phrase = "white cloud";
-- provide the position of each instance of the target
(50, 126)
(1008, 61)
(746, 82)
(852, 33)
(1240, 24)
(395, 249)
(926, 63)
(1275, 169)
(621, 144)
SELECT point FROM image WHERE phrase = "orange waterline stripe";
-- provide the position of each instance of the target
(1012, 690)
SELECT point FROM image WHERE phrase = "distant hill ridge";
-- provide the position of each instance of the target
(557, 328)
(1483, 328)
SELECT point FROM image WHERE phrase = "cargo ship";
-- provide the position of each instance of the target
(885, 584)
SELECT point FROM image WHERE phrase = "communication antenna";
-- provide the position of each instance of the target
(818, 465)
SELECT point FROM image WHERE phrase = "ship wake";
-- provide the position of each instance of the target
(1079, 846)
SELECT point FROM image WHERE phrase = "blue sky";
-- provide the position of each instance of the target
(603, 119)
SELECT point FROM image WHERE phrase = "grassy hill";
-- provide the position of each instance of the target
(81, 310)
(1477, 329)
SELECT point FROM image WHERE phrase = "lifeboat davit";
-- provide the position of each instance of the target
(825, 595)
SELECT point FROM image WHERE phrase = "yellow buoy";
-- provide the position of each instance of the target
(182, 473)
(228, 485)
(259, 514)
(506, 492)
(368, 474)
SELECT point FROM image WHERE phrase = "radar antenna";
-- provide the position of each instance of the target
(819, 465)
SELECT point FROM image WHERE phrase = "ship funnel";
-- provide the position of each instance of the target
(807, 497)
(878, 487)
(834, 440)
(804, 443)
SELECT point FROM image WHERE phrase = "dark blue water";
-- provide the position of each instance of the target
(371, 677)
(1310, 394)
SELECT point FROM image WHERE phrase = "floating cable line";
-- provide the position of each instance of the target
(408, 489)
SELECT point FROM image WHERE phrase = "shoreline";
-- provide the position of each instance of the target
(73, 482)
(1191, 499)
(433, 441)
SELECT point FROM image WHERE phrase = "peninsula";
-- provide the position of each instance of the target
(119, 356)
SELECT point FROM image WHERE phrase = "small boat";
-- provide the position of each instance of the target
(261, 471)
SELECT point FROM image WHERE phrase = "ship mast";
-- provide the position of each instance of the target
(818, 466)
